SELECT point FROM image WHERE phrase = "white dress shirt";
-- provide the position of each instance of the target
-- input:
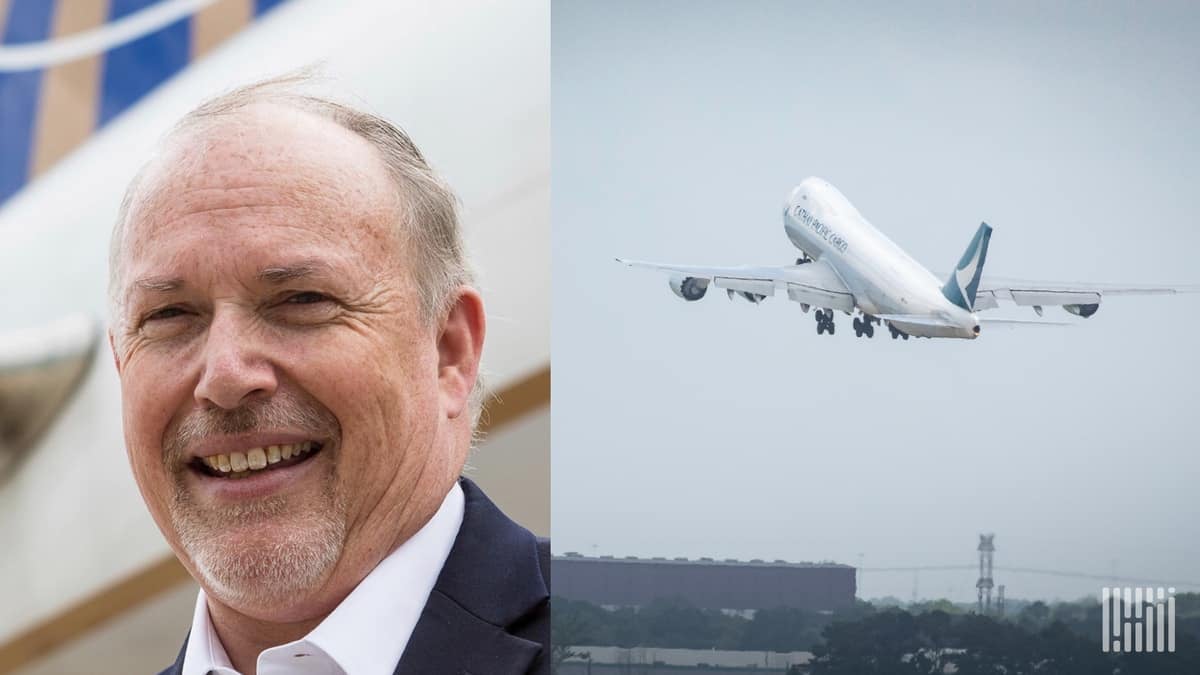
(364, 635)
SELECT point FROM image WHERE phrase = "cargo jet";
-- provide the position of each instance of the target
(848, 265)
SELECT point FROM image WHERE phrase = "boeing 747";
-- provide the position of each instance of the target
(847, 265)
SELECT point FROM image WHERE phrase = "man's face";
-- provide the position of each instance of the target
(284, 406)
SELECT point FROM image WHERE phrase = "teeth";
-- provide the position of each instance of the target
(239, 465)
(238, 461)
(256, 458)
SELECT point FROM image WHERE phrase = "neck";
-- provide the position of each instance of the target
(244, 637)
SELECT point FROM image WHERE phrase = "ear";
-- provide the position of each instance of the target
(112, 346)
(460, 345)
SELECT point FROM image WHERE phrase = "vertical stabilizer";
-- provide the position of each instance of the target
(964, 280)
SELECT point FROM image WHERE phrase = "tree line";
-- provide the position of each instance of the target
(1062, 637)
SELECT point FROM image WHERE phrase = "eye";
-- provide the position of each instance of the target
(163, 314)
(306, 298)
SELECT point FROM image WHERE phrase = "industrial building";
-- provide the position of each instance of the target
(705, 583)
(591, 660)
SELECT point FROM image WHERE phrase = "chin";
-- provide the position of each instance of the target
(267, 571)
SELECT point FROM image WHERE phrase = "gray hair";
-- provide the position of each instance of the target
(430, 213)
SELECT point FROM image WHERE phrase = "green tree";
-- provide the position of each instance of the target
(674, 622)
(570, 625)
(783, 629)
(1034, 616)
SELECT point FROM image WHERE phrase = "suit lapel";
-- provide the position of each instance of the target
(449, 639)
(177, 667)
(491, 584)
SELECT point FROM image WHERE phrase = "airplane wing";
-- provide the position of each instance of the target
(1082, 299)
(813, 283)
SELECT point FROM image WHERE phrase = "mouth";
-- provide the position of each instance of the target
(256, 461)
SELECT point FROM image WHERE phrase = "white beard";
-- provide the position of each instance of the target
(294, 553)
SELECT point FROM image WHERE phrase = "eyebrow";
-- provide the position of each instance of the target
(285, 273)
(157, 284)
(272, 275)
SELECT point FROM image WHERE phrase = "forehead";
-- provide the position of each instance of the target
(266, 173)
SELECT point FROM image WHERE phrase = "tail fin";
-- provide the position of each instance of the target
(964, 280)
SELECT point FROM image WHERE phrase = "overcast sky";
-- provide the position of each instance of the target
(723, 429)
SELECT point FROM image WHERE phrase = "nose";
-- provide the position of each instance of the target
(236, 368)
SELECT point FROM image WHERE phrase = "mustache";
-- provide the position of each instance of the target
(277, 413)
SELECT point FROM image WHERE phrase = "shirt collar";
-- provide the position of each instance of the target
(368, 632)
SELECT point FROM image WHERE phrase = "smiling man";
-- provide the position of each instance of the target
(298, 344)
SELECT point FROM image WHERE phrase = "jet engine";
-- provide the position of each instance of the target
(689, 288)
(1082, 310)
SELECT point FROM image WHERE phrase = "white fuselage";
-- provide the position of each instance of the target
(883, 278)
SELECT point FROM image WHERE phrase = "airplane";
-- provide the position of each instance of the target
(848, 265)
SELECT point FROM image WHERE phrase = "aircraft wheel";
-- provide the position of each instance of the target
(904, 335)
(832, 327)
(820, 327)
(869, 330)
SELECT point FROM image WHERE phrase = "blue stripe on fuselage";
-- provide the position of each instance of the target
(263, 6)
(132, 70)
(28, 21)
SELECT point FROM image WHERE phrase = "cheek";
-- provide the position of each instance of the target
(151, 394)
(386, 401)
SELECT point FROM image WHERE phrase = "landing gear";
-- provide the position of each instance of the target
(896, 332)
(824, 319)
(803, 259)
(864, 326)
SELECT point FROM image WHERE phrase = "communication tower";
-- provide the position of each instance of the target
(984, 585)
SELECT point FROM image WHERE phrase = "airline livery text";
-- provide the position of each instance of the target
(822, 230)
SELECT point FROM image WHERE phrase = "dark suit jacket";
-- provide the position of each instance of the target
(489, 612)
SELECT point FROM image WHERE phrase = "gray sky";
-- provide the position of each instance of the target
(728, 430)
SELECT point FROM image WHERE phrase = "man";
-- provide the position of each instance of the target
(298, 344)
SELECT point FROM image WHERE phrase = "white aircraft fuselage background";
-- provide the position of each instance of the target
(883, 278)
(75, 522)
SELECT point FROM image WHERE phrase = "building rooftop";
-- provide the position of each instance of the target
(756, 562)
